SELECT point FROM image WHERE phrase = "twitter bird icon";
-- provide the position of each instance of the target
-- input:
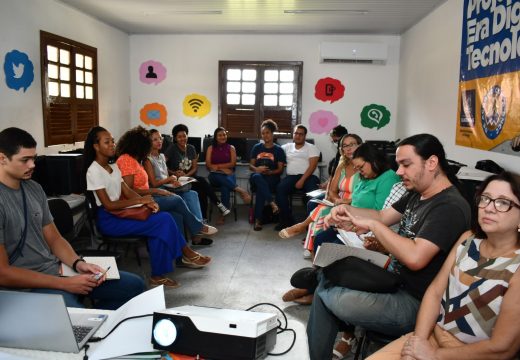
(19, 70)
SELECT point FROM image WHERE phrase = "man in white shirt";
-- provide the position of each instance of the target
(302, 173)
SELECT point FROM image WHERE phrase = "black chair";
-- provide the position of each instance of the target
(233, 203)
(64, 221)
(111, 242)
(371, 337)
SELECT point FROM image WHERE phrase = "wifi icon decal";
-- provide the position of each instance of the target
(196, 105)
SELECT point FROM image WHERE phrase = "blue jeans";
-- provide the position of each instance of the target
(285, 188)
(326, 236)
(176, 206)
(191, 198)
(390, 314)
(264, 186)
(110, 295)
(225, 183)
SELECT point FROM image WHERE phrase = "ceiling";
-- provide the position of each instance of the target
(258, 16)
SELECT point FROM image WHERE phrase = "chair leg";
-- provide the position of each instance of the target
(235, 206)
(360, 345)
(136, 251)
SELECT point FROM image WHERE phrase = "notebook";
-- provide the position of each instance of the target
(41, 322)
(102, 261)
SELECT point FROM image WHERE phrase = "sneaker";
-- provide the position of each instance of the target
(224, 210)
(307, 254)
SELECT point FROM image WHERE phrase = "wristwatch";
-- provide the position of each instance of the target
(75, 263)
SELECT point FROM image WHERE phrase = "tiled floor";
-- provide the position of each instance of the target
(248, 267)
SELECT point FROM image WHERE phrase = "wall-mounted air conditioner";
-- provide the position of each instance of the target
(348, 52)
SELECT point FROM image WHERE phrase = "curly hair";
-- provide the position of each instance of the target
(177, 129)
(269, 124)
(135, 142)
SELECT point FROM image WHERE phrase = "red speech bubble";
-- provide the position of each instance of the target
(329, 89)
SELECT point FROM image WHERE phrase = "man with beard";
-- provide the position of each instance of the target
(431, 218)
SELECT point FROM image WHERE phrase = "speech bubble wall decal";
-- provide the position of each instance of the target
(329, 89)
(153, 114)
(19, 70)
(321, 121)
(374, 116)
(152, 72)
(196, 105)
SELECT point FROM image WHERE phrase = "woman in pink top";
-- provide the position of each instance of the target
(221, 159)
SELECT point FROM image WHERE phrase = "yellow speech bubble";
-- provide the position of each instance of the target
(196, 105)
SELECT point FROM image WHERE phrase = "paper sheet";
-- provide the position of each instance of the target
(134, 335)
(350, 238)
(328, 253)
(102, 261)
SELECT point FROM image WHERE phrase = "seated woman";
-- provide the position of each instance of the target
(165, 242)
(338, 192)
(470, 310)
(267, 161)
(221, 159)
(157, 170)
(132, 150)
(182, 160)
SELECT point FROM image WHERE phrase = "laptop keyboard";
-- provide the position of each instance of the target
(80, 332)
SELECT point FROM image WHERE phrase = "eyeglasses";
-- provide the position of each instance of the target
(357, 168)
(501, 205)
(299, 133)
(344, 146)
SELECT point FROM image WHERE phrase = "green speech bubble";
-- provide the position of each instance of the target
(374, 116)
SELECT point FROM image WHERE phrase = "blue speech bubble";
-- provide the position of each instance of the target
(19, 70)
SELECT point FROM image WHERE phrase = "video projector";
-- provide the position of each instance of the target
(214, 333)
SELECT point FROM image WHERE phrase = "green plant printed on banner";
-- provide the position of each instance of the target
(375, 116)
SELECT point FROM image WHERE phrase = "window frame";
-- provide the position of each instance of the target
(261, 112)
(66, 120)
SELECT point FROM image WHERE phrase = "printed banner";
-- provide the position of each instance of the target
(488, 115)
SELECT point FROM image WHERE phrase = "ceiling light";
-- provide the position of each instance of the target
(326, 11)
(185, 12)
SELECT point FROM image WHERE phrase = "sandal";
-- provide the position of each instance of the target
(291, 231)
(166, 282)
(294, 294)
(195, 262)
(343, 347)
(258, 225)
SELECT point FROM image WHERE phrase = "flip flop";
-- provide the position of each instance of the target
(294, 294)
(194, 261)
(166, 282)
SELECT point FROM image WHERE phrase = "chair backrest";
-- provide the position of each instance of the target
(63, 219)
(91, 209)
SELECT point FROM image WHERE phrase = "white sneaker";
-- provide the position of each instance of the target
(307, 254)
(224, 210)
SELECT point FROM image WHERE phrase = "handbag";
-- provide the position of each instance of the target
(135, 213)
(358, 274)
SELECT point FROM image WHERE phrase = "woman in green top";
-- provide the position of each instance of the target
(375, 178)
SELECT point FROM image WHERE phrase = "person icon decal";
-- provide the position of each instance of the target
(151, 74)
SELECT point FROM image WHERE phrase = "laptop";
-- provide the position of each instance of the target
(42, 322)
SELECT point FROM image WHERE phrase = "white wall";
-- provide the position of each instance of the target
(429, 73)
(192, 67)
(20, 25)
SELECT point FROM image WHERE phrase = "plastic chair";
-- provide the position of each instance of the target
(109, 242)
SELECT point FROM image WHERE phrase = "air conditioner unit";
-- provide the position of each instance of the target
(347, 52)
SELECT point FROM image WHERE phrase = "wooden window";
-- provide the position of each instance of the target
(69, 89)
(250, 92)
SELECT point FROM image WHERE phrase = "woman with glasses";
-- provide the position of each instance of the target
(470, 310)
(338, 192)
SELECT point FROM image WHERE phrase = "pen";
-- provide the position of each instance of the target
(100, 275)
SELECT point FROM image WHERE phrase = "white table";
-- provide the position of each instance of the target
(300, 351)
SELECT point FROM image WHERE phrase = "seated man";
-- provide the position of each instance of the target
(302, 173)
(432, 217)
(32, 249)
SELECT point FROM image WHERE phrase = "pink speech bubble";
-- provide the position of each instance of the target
(152, 72)
(322, 121)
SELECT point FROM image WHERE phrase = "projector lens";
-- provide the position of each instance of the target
(164, 332)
